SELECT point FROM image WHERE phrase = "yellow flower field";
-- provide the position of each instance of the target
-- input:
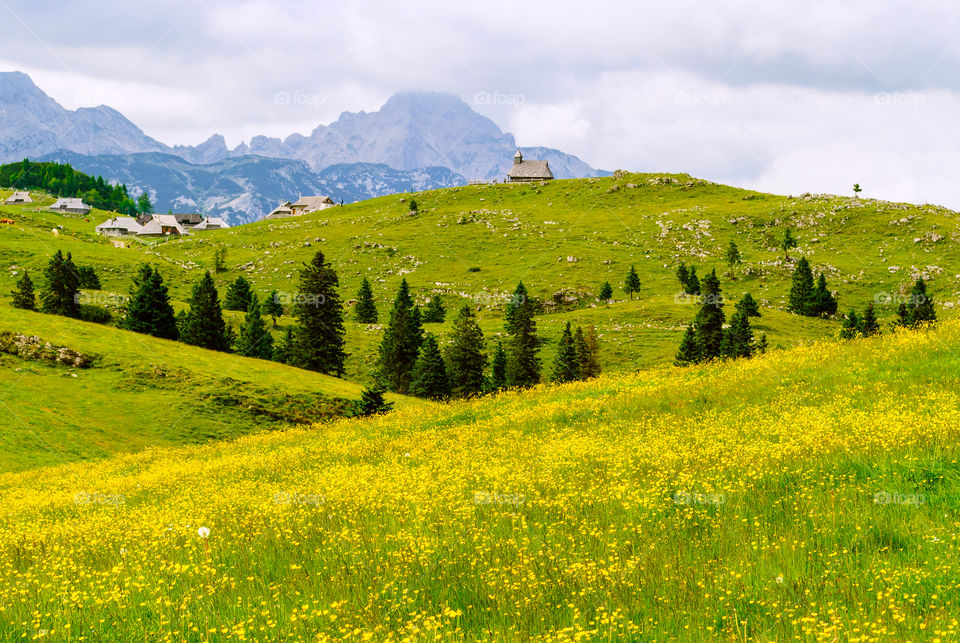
(808, 495)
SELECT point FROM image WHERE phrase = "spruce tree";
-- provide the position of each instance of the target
(762, 344)
(283, 350)
(255, 340)
(24, 297)
(365, 310)
(787, 243)
(239, 294)
(851, 326)
(523, 364)
(869, 325)
(371, 402)
(466, 359)
(801, 289)
(693, 282)
(708, 324)
(606, 291)
(822, 301)
(683, 276)
(734, 258)
(434, 312)
(920, 304)
(566, 367)
(588, 352)
(62, 293)
(429, 378)
(149, 310)
(903, 315)
(632, 284)
(204, 325)
(689, 351)
(88, 278)
(271, 306)
(738, 338)
(319, 312)
(498, 368)
(401, 342)
(748, 306)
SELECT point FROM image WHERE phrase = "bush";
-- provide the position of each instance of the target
(95, 314)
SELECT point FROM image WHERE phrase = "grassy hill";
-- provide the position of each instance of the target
(142, 392)
(810, 494)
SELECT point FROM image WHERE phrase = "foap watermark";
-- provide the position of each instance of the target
(687, 298)
(493, 300)
(896, 498)
(894, 299)
(700, 98)
(900, 98)
(498, 98)
(101, 299)
(304, 298)
(299, 99)
(487, 498)
(688, 499)
(296, 498)
(88, 498)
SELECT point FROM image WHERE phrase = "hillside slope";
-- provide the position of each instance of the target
(811, 494)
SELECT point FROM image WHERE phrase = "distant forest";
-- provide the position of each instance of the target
(62, 180)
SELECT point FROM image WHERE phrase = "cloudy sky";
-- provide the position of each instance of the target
(787, 96)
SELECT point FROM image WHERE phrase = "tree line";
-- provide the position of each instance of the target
(62, 180)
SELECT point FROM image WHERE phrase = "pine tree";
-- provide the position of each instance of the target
(851, 326)
(204, 326)
(62, 293)
(255, 340)
(434, 313)
(822, 301)
(787, 243)
(466, 359)
(869, 325)
(371, 402)
(588, 352)
(903, 315)
(566, 367)
(498, 368)
(801, 289)
(683, 276)
(271, 306)
(689, 351)
(149, 310)
(319, 312)
(239, 295)
(920, 304)
(606, 291)
(748, 306)
(738, 338)
(365, 310)
(24, 297)
(430, 378)
(401, 342)
(708, 324)
(632, 284)
(523, 364)
(693, 282)
(734, 258)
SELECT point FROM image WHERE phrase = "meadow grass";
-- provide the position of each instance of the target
(810, 494)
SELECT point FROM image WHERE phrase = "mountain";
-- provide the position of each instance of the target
(412, 130)
(33, 124)
(246, 188)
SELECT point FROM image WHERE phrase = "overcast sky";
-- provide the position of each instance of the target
(785, 96)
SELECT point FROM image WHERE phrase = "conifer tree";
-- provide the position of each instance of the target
(851, 326)
(566, 367)
(434, 312)
(255, 340)
(24, 297)
(271, 306)
(588, 352)
(88, 278)
(371, 402)
(284, 349)
(149, 310)
(903, 315)
(748, 306)
(689, 351)
(738, 338)
(61, 295)
(365, 310)
(606, 291)
(466, 359)
(523, 364)
(693, 282)
(239, 294)
(920, 304)
(632, 284)
(429, 377)
(787, 243)
(822, 302)
(869, 325)
(734, 258)
(401, 341)
(498, 368)
(762, 344)
(204, 325)
(683, 276)
(708, 324)
(319, 342)
(801, 289)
